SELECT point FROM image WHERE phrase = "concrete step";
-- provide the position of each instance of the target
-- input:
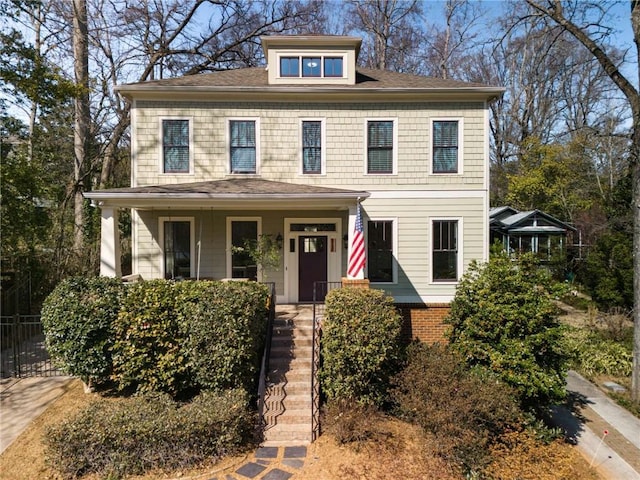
(288, 364)
(288, 342)
(295, 417)
(282, 351)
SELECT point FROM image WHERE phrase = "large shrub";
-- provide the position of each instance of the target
(503, 318)
(78, 318)
(466, 411)
(360, 345)
(127, 436)
(227, 329)
(150, 334)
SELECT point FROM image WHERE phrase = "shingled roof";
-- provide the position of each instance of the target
(248, 79)
(247, 191)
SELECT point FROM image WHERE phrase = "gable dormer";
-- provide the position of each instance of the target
(306, 60)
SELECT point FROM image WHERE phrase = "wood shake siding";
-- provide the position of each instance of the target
(279, 138)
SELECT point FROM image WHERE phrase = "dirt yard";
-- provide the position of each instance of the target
(397, 450)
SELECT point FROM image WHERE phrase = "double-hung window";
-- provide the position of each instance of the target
(446, 146)
(380, 140)
(175, 146)
(445, 251)
(243, 146)
(312, 146)
(380, 246)
(177, 247)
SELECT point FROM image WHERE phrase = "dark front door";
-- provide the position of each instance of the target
(312, 265)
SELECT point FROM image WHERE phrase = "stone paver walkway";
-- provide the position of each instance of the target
(269, 463)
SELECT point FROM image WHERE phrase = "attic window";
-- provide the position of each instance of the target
(316, 66)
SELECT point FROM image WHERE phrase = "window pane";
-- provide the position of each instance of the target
(380, 147)
(177, 250)
(333, 67)
(380, 251)
(445, 146)
(175, 146)
(243, 234)
(311, 67)
(289, 67)
(243, 146)
(445, 250)
(311, 147)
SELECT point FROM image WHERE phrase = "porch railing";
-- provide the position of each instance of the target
(23, 352)
(320, 290)
(264, 367)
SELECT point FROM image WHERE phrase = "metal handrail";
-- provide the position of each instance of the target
(266, 352)
(320, 290)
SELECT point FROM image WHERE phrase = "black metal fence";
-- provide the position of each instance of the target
(23, 352)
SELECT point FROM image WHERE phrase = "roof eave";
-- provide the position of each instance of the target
(224, 201)
(197, 91)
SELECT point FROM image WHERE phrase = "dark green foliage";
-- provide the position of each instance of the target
(129, 436)
(78, 319)
(150, 334)
(465, 410)
(503, 318)
(609, 270)
(227, 328)
(360, 345)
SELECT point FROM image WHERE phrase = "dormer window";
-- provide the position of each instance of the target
(316, 67)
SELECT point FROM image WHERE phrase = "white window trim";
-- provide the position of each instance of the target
(161, 143)
(460, 121)
(228, 146)
(394, 153)
(394, 250)
(228, 241)
(460, 253)
(311, 53)
(323, 148)
(192, 241)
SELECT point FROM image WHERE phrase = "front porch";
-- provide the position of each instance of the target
(198, 231)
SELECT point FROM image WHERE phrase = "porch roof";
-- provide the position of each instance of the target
(234, 193)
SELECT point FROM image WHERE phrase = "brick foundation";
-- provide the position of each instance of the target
(355, 282)
(424, 321)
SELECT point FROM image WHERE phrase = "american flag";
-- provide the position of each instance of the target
(357, 255)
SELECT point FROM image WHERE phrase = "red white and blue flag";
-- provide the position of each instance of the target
(357, 253)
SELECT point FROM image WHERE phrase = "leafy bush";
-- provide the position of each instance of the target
(150, 333)
(503, 318)
(466, 411)
(129, 436)
(591, 354)
(360, 345)
(227, 329)
(78, 318)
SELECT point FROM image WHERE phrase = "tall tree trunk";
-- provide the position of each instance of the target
(82, 114)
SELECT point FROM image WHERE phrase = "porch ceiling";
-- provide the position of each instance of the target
(229, 194)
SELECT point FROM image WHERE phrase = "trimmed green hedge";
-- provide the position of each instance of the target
(360, 345)
(226, 337)
(159, 335)
(150, 333)
(78, 318)
(128, 436)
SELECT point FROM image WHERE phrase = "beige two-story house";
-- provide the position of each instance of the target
(288, 151)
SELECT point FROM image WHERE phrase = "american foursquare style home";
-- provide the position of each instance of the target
(292, 151)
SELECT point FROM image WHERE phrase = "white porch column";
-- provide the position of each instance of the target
(110, 243)
(352, 227)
